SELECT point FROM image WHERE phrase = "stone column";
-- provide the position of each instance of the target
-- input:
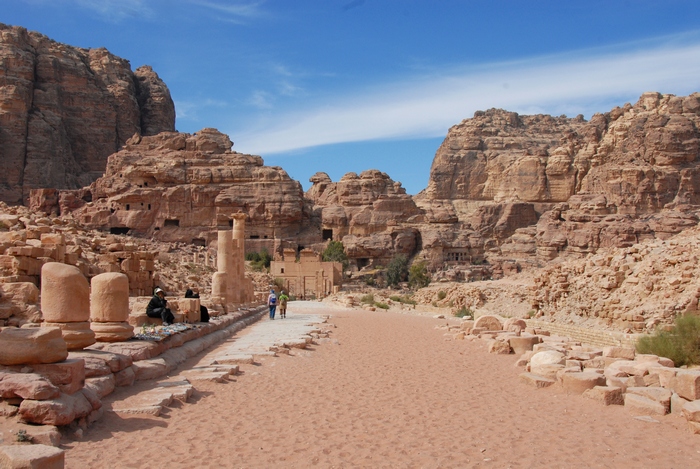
(238, 258)
(109, 307)
(65, 303)
(220, 280)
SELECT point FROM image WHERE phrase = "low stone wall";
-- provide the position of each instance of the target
(587, 335)
(90, 374)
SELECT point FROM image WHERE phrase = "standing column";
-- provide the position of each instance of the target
(220, 280)
(238, 258)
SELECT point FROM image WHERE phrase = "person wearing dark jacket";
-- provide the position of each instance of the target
(158, 307)
(203, 311)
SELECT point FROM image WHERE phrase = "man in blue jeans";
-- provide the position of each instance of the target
(272, 304)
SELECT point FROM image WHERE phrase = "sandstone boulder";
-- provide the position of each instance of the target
(488, 323)
(28, 346)
(26, 386)
(31, 456)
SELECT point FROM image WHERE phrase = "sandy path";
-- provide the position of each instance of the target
(391, 393)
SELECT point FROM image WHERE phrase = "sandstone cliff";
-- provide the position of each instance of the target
(64, 110)
(625, 176)
(182, 187)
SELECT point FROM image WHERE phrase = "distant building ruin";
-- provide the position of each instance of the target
(308, 277)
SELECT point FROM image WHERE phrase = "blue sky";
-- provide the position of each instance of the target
(350, 85)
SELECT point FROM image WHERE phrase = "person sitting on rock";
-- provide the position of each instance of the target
(158, 307)
(203, 311)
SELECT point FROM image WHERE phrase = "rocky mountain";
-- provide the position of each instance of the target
(624, 176)
(183, 187)
(64, 110)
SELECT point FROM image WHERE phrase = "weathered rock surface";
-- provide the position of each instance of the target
(27, 346)
(64, 110)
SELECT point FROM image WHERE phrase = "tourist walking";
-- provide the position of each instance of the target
(272, 303)
(158, 307)
(283, 304)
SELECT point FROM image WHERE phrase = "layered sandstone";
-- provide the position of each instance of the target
(183, 187)
(64, 110)
(369, 212)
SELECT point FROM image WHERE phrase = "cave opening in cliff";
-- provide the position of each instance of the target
(327, 234)
(119, 230)
(171, 222)
(87, 197)
(362, 262)
(199, 241)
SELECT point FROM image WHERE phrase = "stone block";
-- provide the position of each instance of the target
(677, 404)
(691, 411)
(26, 386)
(126, 377)
(189, 307)
(536, 380)
(500, 347)
(686, 384)
(68, 375)
(579, 382)
(606, 394)
(658, 394)
(545, 359)
(114, 361)
(77, 335)
(31, 457)
(640, 405)
(57, 411)
(523, 344)
(102, 385)
(150, 369)
(31, 346)
(619, 352)
(488, 323)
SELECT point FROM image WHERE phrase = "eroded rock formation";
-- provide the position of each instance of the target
(64, 110)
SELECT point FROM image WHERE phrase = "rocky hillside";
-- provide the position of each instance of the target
(64, 110)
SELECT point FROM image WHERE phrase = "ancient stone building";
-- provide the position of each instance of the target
(308, 277)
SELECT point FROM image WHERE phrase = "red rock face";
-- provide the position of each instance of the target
(182, 187)
(63, 110)
(625, 176)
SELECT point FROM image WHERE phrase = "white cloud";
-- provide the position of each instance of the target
(428, 106)
(234, 12)
(117, 9)
(261, 100)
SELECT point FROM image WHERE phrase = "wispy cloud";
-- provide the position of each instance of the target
(428, 106)
(236, 12)
(116, 10)
(261, 100)
(190, 110)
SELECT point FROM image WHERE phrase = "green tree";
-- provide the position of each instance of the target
(259, 260)
(418, 276)
(397, 270)
(335, 252)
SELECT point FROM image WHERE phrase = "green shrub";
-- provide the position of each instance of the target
(22, 436)
(418, 276)
(464, 312)
(441, 295)
(531, 314)
(434, 304)
(335, 252)
(397, 270)
(681, 344)
(381, 305)
(367, 299)
(369, 280)
(403, 299)
(259, 260)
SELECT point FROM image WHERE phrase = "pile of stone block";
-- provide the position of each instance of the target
(647, 385)
(137, 265)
